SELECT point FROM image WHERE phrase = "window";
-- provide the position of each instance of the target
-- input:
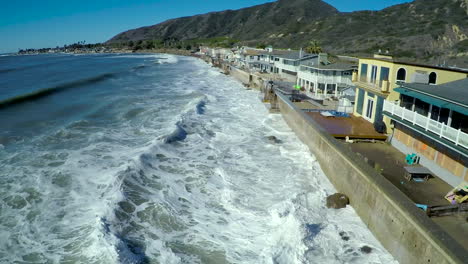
(363, 72)
(383, 75)
(459, 121)
(370, 108)
(440, 114)
(373, 74)
(406, 101)
(433, 78)
(401, 75)
(421, 107)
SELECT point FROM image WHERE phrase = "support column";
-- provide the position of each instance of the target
(316, 88)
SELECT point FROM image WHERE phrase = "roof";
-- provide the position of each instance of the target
(275, 52)
(295, 55)
(455, 92)
(418, 65)
(339, 66)
(252, 52)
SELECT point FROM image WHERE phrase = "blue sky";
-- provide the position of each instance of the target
(50, 23)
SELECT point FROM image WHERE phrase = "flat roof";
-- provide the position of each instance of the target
(295, 55)
(339, 66)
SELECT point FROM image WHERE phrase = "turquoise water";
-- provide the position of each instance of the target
(157, 159)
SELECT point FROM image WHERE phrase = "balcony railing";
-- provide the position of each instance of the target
(456, 136)
(382, 86)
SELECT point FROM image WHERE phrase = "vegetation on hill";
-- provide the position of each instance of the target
(424, 30)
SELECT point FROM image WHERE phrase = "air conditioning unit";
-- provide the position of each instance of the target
(385, 86)
(354, 77)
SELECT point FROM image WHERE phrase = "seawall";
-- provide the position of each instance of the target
(242, 76)
(403, 229)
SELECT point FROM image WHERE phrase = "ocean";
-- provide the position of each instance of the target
(156, 158)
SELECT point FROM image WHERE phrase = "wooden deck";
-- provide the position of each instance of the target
(353, 127)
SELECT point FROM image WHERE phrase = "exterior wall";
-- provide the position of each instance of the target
(443, 76)
(402, 228)
(241, 75)
(365, 102)
(281, 66)
(321, 78)
(451, 171)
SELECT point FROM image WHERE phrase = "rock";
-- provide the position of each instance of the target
(344, 236)
(366, 249)
(274, 139)
(337, 201)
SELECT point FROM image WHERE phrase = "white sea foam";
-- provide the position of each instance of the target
(219, 192)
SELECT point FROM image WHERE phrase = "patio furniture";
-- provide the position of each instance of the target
(419, 172)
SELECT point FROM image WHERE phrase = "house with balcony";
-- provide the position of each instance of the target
(266, 62)
(247, 57)
(323, 78)
(287, 65)
(432, 122)
(377, 78)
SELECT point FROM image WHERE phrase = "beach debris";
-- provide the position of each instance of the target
(337, 201)
(274, 140)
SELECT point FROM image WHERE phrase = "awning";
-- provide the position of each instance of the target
(432, 100)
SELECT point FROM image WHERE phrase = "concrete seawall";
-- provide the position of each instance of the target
(240, 75)
(403, 229)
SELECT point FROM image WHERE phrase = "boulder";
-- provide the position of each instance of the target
(337, 201)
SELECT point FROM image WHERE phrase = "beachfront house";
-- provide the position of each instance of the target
(377, 79)
(247, 57)
(322, 78)
(287, 65)
(431, 120)
(266, 62)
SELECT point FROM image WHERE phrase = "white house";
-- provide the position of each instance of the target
(287, 65)
(322, 78)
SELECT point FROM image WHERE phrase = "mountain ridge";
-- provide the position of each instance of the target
(430, 31)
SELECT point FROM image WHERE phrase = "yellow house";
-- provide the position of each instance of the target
(378, 77)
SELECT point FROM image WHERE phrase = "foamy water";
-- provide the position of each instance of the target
(167, 162)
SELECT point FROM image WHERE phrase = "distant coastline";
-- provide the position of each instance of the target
(109, 50)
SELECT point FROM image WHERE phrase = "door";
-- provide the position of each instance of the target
(370, 108)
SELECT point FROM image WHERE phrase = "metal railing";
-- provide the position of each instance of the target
(456, 136)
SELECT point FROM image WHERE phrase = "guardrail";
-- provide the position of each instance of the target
(456, 136)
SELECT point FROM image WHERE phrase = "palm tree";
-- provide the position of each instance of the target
(314, 47)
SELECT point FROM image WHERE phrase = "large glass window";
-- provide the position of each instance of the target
(459, 121)
(406, 101)
(444, 115)
(421, 107)
(440, 114)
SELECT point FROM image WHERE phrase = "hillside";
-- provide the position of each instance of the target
(431, 31)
